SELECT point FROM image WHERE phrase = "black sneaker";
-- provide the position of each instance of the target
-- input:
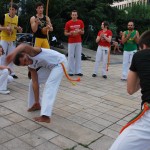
(104, 76)
(94, 75)
(79, 74)
(70, 74)
(14, 76)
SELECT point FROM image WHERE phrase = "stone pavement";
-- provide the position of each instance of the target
(87, 116)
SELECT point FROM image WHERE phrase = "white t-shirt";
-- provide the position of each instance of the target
(47, 59)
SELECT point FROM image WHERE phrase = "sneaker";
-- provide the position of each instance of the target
(79, 74)
(104, 76)
(94, 75)
(4, 92)
(70, 74)
(14, 76)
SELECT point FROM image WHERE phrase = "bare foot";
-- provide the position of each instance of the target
(43, 119)
(36, 106)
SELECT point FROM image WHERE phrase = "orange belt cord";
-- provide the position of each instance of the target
(137, 117)
(108, 61)
(67, 76)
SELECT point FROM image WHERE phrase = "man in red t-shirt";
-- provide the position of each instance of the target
(103, 39)
(74, 28)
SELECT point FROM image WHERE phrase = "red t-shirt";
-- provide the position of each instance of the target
(103, 42)
(72, 26)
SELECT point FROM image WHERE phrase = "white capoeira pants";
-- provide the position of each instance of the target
(5, 78)
(8, 48)
(51, 79)
(101, 54)
(127, 59)
(74, 58)
(136, 136)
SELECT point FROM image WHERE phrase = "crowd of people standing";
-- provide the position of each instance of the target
(48, 66)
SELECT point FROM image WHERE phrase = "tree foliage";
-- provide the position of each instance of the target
(92, 12)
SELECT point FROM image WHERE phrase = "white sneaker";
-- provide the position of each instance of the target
(4, 92)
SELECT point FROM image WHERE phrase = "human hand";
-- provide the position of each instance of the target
(9, 30)
(128, 35)
(37, 21)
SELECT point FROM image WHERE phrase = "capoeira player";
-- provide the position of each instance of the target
(51, 66)
(136, 134)
(5, 77)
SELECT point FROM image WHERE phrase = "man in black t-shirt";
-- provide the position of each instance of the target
(41, 26)
(136, 134)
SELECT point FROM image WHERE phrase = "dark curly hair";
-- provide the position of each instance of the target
(17, 59)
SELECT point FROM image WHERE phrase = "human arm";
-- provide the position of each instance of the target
(108, 39)
(8, 28)
(67, 33)
(125, 38)
(136, 37)
(34, 23)
(35, 84)
(31, 51)
(104, 36)
(49, 24)
(133, 82)
(98, 38)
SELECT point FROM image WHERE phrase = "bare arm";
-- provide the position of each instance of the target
(34, 23)
(98, 39)
(108, 39)
(75, 32)
(32, 51)
(133, 82)
(5, 28)
(67, 33)
(137, 37)
(19, 29)
(35, 84)
(125, 38)
(49, 24)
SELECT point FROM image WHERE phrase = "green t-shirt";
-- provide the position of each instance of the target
(130, 44)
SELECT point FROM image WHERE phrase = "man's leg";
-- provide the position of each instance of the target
(71, 59)
(11, 47)
(131, 56)
(49, 94)
(125, 66)
(42, 77)
(45, 44)
(38, 42)
(105, 60)
(98, 59)
(5, 48)
(78, 51)
(3, 79)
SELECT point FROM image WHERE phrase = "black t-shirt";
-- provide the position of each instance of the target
(141, 65)
(39, 33)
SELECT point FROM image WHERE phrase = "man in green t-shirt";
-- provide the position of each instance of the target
(130, 40)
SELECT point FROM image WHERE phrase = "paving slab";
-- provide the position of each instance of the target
(87, 116)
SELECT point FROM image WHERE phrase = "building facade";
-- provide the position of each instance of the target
(129, 3)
